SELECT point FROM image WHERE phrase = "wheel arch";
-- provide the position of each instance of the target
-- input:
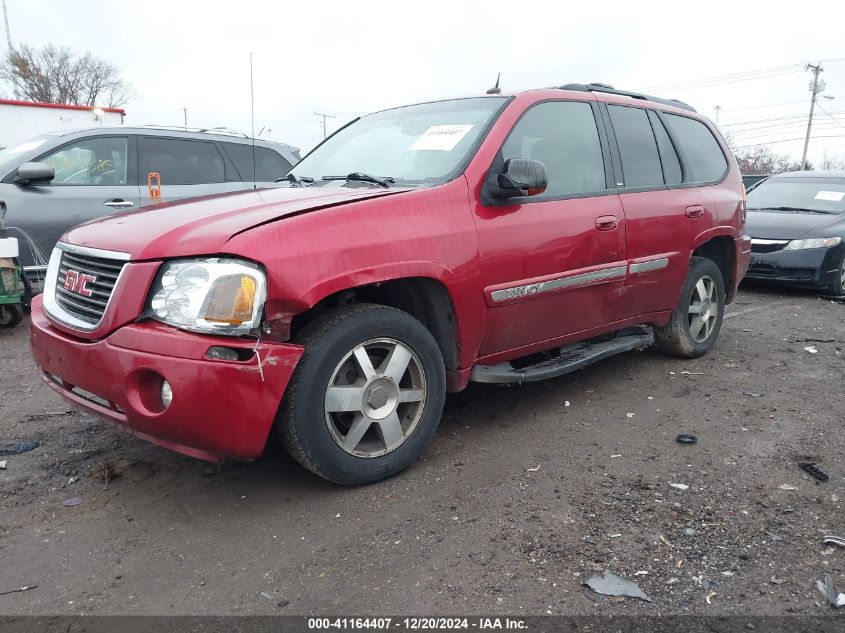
(718, 245)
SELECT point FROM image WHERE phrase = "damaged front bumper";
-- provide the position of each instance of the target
(219, 409)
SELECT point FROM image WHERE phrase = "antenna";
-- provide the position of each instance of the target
(252, 119)
(495, 90)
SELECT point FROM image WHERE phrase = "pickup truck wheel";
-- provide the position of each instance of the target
(695, 323)
(366, 396)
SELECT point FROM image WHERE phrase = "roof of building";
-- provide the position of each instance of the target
(59, 106)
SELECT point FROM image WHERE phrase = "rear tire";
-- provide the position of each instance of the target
(366, 396)
(696, 321)
(10, 315)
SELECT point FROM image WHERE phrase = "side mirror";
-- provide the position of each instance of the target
(522, 177)
(34, 173)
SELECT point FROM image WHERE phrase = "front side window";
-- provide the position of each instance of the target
(269, 165)
(563, 136)
(637, 146)
(419, 144)
(93, 161)
(181, 162)
(705, 161)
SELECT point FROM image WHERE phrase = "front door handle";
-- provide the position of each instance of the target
(695, 211)
(117, 203)
(607, 222)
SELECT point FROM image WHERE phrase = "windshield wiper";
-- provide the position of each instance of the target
(359, 177)
(792, 209)
(294, 181)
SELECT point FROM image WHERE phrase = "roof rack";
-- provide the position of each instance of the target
(181, 128)
(599, 87)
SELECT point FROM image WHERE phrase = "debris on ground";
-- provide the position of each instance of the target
(830, 539)
(787, 487)
(828, 590)
(812, 349)
(679, 486)
(609, 584)
(18, 590)
(752, 394)
(73, 501)
(629, 414)
(17, 448)
(710, 596)
(3, 465)
(268, 595)
(533, 470)
(693, 373)
(814, 471)
(685, 438)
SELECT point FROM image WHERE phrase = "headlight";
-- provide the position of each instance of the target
(819, 242)
(212, 296)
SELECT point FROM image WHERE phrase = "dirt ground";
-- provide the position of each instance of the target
(525, 492)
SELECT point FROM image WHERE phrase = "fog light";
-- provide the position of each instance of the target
(166, 393)
(222, 353)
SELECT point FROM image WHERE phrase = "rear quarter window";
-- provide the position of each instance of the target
(703, 155)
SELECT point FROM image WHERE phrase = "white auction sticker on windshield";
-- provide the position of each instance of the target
(831, 196)
(442, 138)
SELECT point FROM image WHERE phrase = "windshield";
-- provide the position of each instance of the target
(426, 143)
(822, 195)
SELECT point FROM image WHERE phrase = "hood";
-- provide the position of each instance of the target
(201, 226)
(789, 225)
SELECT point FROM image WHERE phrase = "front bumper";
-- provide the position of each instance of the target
(810, 268)
(220, 409)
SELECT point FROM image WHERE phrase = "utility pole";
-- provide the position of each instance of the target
(815, 88)
(6, 20)
(185, 115)
(717, 114)
(325, 116)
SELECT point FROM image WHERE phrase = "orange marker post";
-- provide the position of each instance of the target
(154, 186)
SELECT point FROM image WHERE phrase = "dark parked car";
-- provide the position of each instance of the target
(55, 181)
(797, 224)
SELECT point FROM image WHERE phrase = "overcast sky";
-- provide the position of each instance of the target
(349, 57)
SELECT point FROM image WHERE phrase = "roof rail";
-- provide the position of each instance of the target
(598, 87)
(224, 131)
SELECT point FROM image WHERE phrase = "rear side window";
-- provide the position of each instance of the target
(181, 162)
(563, 136)
(671, 165)
(703, 156)
(269, 165)
(637, 147)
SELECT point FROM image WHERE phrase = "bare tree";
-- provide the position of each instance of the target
(760, 159)
(834, 161)
(53, 74)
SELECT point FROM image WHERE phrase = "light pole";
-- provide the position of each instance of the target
(815, 87)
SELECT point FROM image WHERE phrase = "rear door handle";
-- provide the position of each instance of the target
(695, 211)
(607, 222)
(117, 203)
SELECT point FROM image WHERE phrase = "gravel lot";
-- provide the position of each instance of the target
(525, 493)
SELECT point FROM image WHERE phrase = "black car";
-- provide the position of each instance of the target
(797, 224)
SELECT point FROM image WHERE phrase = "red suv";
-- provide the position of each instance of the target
(498, 239)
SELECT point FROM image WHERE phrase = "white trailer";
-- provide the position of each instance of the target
(20, 120)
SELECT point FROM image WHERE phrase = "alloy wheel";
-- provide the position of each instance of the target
(375, 397)
(703, 309)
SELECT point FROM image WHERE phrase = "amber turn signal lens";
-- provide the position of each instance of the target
(232, 300)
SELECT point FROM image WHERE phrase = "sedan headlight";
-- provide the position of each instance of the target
(212, 296)
(818, 242)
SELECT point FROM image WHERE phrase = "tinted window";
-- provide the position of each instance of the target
(637, 147)
(671, 165)
(563, 136)
(269, 165)
(181, 162)
(91, 161)
(703, 156)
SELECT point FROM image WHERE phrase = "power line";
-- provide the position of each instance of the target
(830, 115)
(789, 140)
(726, 78)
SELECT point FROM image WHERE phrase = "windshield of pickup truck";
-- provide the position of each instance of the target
(813, 195)
(420, 144)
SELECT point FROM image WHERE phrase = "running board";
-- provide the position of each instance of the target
(571, 358)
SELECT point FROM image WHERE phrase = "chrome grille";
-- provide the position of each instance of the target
(89, 300)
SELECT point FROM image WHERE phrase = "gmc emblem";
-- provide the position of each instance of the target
(78, 282)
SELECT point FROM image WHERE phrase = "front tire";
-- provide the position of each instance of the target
(696, 321)
(366, 396)
(837, 287)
